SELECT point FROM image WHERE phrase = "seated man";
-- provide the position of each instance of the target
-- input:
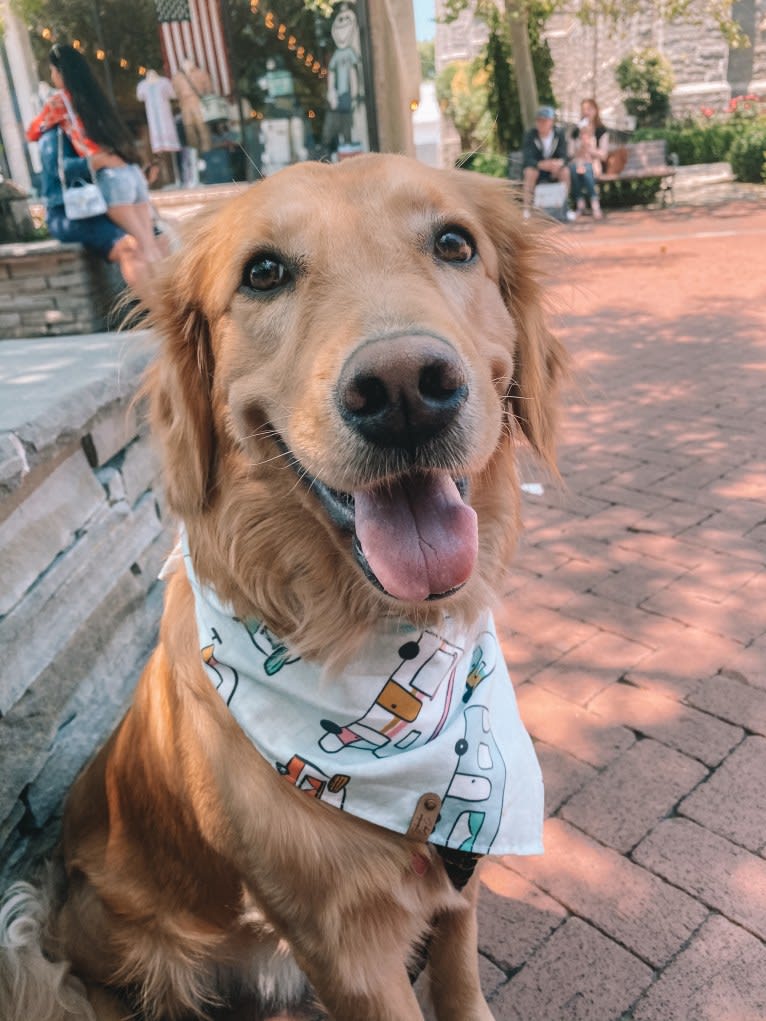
(544, 156)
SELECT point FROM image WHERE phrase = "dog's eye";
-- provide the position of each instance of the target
(265, 273)
(454, 246)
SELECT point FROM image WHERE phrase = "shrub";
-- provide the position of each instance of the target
(694, 142)
(620, 194)
(646, 77)
(492, 163)
(747, 153)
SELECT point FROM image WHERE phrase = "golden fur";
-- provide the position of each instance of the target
(197, 880)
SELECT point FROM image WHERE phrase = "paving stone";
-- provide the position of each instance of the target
(733, 800)
(579, 975)
(696, 734)
(736, 618)
(596, 663)
(541, 625)
(632, 623)
(644, 914)
(720, 975)
(562, 775)
(621, 804)
(515, 917)
(583, 734)
(748, 665)
(731, 698)
(710, 868)
(675, 670)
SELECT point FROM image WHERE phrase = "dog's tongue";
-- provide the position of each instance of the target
(417, 535)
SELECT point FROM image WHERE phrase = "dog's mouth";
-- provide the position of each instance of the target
(415, 537)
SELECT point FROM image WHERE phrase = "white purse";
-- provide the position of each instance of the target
(82, 199)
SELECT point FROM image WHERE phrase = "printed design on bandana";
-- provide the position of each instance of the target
(472, 805)
(479, 669)
(410, 708)
(226, 678)
(416, 712)
(276, 654)
(307, 777)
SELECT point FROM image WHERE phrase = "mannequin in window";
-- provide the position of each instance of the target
(189, 83)
(156, 92)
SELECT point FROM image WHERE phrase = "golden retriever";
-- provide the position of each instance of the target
(349, 357)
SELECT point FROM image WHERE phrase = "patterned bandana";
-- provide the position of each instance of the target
(420, 734)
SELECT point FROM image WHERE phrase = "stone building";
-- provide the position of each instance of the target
(708, 72)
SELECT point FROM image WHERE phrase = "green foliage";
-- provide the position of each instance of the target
(503, 97)
(494, 164)
(748, 152)
(462, 91)
(427, 54)
(646, 78)
(694, 141)
(621, 194)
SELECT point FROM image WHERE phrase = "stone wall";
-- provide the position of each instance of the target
(82, 537)
(707, 71)
(49, 289)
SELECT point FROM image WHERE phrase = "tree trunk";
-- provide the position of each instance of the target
(522, 60)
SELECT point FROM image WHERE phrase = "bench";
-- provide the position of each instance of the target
(637, 161)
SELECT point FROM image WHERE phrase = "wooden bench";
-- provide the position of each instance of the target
(637, 161)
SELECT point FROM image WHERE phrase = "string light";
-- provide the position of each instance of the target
(270, 21)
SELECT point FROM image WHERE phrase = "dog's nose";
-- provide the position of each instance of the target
(401, 391)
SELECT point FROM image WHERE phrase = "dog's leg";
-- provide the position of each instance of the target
(453, 970)
(364, 986)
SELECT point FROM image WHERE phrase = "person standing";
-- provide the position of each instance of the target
(544, 156)
(590, 148)
(97, 136)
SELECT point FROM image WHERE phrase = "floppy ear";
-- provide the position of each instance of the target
(179, 385)
(540, 361)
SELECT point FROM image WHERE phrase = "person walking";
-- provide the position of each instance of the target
(589, 145)
(98, 138)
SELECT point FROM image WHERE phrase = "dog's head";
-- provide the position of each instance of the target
(349, 356)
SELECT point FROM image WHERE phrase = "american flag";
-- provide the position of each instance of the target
(193, 28)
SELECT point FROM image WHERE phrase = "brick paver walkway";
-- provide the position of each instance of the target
(635, 624)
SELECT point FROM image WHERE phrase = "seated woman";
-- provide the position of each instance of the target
(99, 234)
(589, 148)
(96, 134)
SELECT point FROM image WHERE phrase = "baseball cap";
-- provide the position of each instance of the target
(545, 113)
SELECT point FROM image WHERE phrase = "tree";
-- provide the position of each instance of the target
(646, 77)
(427, 54)
(461, 88)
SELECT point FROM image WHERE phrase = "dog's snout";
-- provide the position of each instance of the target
(399, 392)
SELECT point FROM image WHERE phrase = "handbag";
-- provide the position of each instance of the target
(82, 198)
(213, 106)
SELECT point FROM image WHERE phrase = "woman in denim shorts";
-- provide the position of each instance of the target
(97, 134)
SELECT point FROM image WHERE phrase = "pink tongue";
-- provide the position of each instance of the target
(417, 535)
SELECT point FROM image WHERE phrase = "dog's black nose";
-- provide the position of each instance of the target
(401, 391)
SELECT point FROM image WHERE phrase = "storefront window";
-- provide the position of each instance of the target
(302, 80)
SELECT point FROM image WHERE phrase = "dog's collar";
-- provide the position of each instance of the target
(420, 734)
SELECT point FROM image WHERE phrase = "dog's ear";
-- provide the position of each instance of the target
(179, 384)
(540, 361)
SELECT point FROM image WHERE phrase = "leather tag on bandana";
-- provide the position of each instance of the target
(424, 817)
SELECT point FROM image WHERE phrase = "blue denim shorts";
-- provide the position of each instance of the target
(95, 232)
(123, 186)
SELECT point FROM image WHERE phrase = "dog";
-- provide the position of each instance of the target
(349, 358)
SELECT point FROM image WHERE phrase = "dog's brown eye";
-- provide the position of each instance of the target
(265, 274)
(454, 246)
